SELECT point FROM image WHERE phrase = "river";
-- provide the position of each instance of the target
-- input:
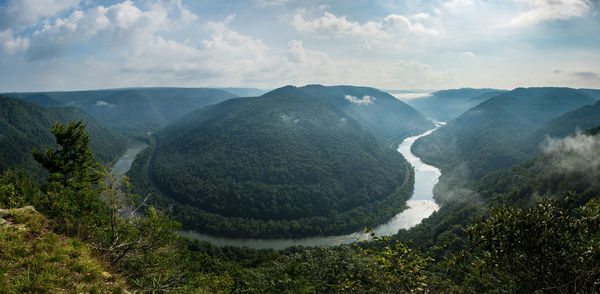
(123, 165)
(420, 206)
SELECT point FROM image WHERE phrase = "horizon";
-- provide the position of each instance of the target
(69, 45)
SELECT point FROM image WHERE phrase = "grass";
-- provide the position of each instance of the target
(35, 260)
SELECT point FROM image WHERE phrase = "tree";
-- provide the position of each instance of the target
(545, 248)
(71, 165)
(71, 198)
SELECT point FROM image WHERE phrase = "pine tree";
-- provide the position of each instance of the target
(71, 165)
(72, 197)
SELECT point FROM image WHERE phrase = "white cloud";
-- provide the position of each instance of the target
(544, 10)
(27, 12)
(332, 25)
(11, 45)
(468, 54)
(365, 100)
(117, 24)
(104, 104)
(338, 26)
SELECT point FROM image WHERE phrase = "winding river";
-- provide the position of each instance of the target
(420, 206)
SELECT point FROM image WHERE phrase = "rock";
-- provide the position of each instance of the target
(31, 208)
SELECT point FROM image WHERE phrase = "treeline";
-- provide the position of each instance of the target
(549, 246)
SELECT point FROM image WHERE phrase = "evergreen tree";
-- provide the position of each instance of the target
(72, 199)
(71, 165)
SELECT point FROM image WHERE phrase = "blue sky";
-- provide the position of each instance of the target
(437, 44)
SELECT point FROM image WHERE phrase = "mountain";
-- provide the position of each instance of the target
(491, 135)
(446, 105)
(569, 167)
(24, 126)
(132, 110)
(562, 126)
(293, 162)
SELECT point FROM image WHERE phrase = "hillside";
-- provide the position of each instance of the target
(34, 259)
(446, 105)
(378, 111)
(492, 135)
(132, 110)
(569, 167)
(24, 126)
(293, 162)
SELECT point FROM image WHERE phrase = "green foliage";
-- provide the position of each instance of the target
(542, 248)
(132, 111)
(292, 162)
(396, 266)
(504, 130)
(24, 126)
(72, 165)
(71, 199)
(35, 260)
(17, 189)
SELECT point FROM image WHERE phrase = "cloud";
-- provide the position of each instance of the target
(545, 10)
(340, 27)
(366, 100)
(104, 104)
(468, 54)
(266, 3)
(28, 12)
(588, 75)
(119, 24)
(579, 153)
(10, 45)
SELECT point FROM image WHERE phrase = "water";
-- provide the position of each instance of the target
(420, 206)
(123, 165)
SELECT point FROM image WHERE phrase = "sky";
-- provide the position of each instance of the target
(438, 44)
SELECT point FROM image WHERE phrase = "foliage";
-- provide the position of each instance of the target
(289, 163)
(17, 189)
(33, 259)
(24, 126)
(132, 110)
(542, 248)
(71, 199)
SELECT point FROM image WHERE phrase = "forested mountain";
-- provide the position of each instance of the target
(295, 161)
(378, 111)
(494, 134)
(134, 109)
(24, 126)
(577, 120)
(568, 168)
(446, 105)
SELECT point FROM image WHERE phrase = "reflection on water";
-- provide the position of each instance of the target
(123, 165)
(420, 206)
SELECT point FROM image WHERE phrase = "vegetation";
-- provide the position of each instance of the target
(33, 259)
(132, 111)
(522, 245)
(446, 105)
(24, 126)
(288, 163)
